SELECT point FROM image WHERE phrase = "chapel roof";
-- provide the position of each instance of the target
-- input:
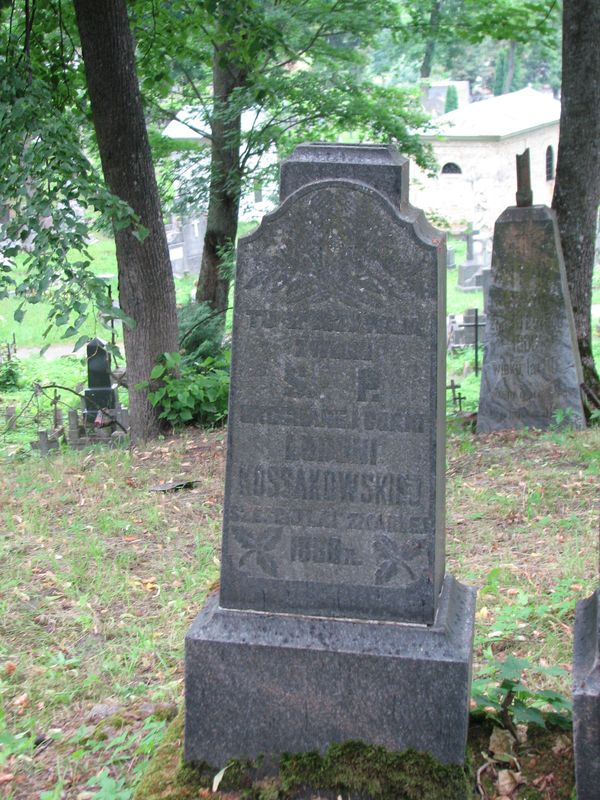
(498, 117)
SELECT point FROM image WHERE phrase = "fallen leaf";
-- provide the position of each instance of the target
(501, 742)
(562, 744)
(9, 667)
(6, 777)
(508, 781)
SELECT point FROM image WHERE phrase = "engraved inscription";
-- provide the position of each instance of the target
(336, 486)
(322, 550)
(330, 447)
(336, 322)
(333, 414)
(401, 521)
(347, 418)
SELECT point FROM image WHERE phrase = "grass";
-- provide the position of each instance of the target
(29, 332)
(101, 578)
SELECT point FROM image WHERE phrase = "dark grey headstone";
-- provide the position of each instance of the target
(101, 392)
(531, 369)
(335, 477)
(586, 698)
(331, 622)
(98, 365)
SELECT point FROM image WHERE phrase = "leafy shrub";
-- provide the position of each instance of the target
(200, 332)
(196, 392)
(10, 374)
(501, 693)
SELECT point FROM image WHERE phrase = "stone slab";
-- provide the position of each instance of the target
(379, 166)
(531, 368)
(262, 683)
(466, 275)
(334, 497)
(586, 698)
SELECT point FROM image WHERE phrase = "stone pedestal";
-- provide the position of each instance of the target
(270, 683)
(586, 698)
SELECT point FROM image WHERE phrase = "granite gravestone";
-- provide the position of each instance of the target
(335, 620)
(586, 698)
(101, 392)
(531, 370)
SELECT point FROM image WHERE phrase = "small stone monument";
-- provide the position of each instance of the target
(531, 369)
(101, 392)
(472, 266)
(335, 618)
(586, 698)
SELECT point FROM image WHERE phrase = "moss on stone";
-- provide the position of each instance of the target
(351, 768)
(374, 772)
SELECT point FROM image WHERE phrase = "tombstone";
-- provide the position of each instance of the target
(175, 242)
(193, 244)
(531, 368)
(465, 330)
(335, 618)
(586, 698)
(101, 392)
(186, 244)
(483, 280)
(473, 264)
(450, 259)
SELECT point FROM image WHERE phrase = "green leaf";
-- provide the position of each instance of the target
(157, 372)
(80, 342)
(140, 233)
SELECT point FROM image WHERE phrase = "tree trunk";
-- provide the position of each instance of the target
(577, 187)
(225, 183)
(146, 286)
(434, 24)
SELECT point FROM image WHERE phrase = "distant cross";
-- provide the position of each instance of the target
(453, 387)
(524, 193)
(470, 235)
(460, 397)
(477, 325)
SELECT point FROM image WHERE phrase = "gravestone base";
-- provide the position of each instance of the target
(586, 699)
(264, 683)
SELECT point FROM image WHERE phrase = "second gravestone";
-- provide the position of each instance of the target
(335, 620)
(531, 369)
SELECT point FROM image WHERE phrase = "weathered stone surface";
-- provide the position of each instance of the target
(531, 368)
(380, 166)
(271, 683)
(331, 622)
(335, 475)
(586, 698)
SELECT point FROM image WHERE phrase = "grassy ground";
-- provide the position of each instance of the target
(29, 332)
(102, 576)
